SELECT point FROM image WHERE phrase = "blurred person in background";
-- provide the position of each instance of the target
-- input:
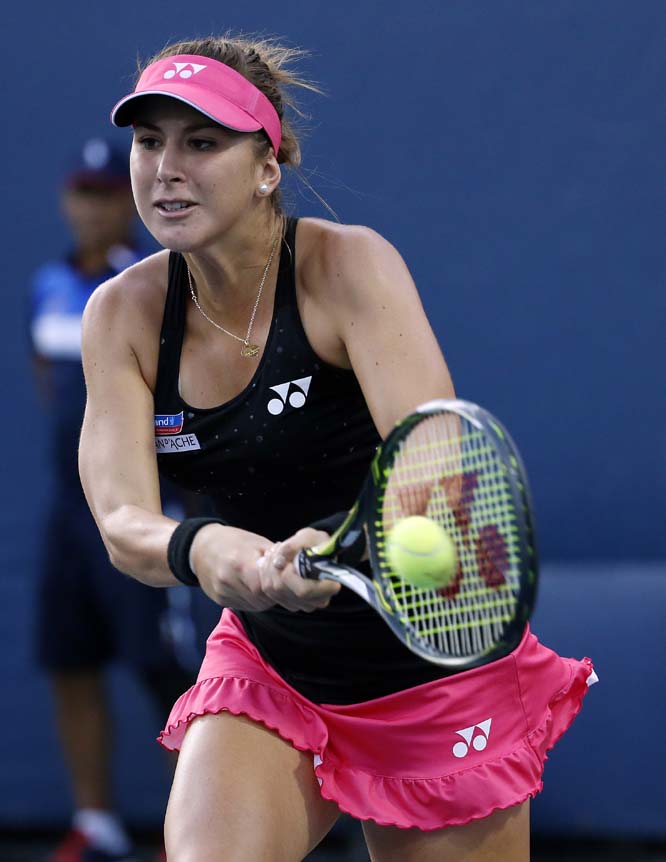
(88, 615)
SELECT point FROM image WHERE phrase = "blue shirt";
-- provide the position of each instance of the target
(58, 297)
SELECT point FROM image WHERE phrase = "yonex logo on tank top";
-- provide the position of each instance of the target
(296, 399)
(183, 71)
(478, 741)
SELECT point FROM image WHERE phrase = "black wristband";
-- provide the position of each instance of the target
(178, 551)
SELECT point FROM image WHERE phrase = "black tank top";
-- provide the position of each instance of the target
(292, 447)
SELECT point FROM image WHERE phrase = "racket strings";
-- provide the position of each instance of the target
(447, 470)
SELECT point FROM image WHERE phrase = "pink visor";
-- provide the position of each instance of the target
(210, 87)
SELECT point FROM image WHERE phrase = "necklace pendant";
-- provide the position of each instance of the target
(249, 349)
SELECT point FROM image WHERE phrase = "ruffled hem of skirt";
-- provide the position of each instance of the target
(455, 799)
(425, 803)
(242, 696)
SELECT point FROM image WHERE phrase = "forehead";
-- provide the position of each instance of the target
(157, 110)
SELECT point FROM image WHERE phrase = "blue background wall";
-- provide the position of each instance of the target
(513, 152)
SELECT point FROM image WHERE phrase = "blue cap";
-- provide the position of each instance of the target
(98, 163)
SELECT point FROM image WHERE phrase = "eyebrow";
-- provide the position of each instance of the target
(194, 127)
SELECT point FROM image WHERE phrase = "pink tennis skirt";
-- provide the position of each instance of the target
(439, 754)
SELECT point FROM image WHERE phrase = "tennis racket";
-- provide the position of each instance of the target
(453, 462)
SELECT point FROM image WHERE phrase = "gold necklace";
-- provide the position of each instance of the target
(248, 348)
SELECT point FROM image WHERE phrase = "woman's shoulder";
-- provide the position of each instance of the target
(134, 293)
(331, 255)
(123, 316)
(326, 240)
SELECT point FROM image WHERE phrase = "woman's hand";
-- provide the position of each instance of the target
(224, 560)
(246, 572)
(281, 580)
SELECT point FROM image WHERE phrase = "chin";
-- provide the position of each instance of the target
(176, 241)
(174, 245)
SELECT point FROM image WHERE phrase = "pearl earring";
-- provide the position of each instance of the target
(263, 188)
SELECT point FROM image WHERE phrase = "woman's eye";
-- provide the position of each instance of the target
(202, 144)
(147, 142)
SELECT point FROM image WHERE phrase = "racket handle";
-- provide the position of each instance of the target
(305, 565)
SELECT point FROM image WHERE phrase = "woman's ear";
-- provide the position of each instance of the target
(268, 175)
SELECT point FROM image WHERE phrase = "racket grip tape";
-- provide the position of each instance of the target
(305, 567)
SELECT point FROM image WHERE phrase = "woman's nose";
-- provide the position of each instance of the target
(169, 169)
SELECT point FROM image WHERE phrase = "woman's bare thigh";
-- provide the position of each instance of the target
(243, 794)
(504, 836)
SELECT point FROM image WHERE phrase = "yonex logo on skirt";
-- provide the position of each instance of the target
(478, 741)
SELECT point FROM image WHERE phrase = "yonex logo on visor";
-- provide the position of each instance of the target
(222, 94)
(182, 71)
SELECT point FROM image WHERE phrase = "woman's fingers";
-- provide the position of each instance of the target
(282, 581)
(244, 571)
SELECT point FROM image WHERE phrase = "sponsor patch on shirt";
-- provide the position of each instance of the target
(168, 423)
(165, 445)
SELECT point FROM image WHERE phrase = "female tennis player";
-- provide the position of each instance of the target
(258, 360)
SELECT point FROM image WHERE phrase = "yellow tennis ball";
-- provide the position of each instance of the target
(422, 553)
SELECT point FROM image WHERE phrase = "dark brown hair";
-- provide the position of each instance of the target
(269, 66)
(266, 64)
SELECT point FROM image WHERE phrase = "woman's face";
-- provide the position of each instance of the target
(193, 180)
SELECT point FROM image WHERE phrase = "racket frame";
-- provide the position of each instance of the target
(327, 560)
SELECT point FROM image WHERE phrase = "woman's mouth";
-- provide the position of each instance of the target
(174, 208)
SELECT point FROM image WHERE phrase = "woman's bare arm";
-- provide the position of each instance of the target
(116, 454)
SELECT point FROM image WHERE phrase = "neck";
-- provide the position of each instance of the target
(228, 275)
